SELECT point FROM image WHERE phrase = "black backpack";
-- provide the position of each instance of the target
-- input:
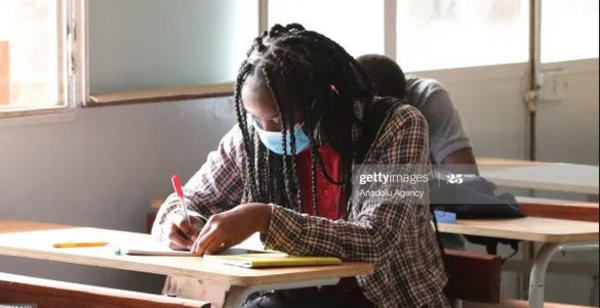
(473, 198)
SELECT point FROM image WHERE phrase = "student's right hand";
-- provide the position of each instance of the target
(181, 234)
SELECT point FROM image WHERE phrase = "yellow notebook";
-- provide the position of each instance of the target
(260, 260)
(155, 249)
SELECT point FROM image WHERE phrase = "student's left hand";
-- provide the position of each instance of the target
(229, 228)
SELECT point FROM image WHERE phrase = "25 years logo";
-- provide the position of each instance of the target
(455, 178)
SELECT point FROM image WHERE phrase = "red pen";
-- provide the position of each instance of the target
(179, 191)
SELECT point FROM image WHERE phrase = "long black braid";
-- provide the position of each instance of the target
(289, 161)
(243, 124)
(303, 71)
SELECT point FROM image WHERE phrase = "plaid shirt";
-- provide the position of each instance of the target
(398, 239)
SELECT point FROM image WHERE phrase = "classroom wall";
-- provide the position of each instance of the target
(101, 169)
(101, 166)
(568, 112)
(568, 132)
(490, 103)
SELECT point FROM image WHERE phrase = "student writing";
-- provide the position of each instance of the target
(284, 170)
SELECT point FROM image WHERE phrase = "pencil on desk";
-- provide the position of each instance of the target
(79, 244)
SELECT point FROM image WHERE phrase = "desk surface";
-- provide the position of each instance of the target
(38, 245)
(527, 229)
(540, 175)
(7, 226)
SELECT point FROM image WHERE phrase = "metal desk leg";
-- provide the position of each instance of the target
(538, 271)
(237, 294)
(538, 274)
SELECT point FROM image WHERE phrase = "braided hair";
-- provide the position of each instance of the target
(306, 71)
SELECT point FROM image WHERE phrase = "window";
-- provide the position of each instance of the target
(441, 34)
(194, 51)
(357, 25)
(33, 55)
(569, 30)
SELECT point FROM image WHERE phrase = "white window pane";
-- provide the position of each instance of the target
(145, 44)
(569, 30)
(29, 54)
(245, 29)
(357, 25)
(439, 34)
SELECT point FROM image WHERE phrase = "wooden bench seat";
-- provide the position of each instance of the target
(58, 294)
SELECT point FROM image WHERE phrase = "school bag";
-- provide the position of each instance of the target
(474, 198)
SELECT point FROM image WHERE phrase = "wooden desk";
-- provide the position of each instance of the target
(540, 175)
(7, 226)
(535, 229)
(561, 209)
(556, 234)
(240, 282)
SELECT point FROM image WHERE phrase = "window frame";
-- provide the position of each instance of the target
(70, 84)
(219, 89)
(154, 95)
(86, 99)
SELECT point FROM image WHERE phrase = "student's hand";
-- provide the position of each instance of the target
(231, 227)
(181, 234)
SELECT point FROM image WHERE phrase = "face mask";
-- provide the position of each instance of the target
(272, 140)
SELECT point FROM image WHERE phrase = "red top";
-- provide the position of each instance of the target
(328, 197)
(328, 194)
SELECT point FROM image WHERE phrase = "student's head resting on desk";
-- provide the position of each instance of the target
(386, 76)
(452, 145)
